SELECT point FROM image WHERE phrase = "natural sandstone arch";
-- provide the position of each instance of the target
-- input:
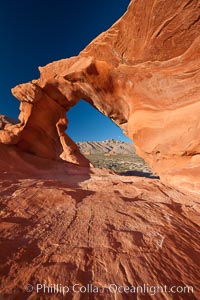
(143, 73)
(44, 104)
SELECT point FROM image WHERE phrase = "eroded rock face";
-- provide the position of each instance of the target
(143, 73)
(65, 224)
(62, 225)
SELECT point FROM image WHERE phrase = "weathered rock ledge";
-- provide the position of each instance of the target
(63, 225)
(143, 73)
(65, 222)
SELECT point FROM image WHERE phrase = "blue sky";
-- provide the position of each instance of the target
(34, 33)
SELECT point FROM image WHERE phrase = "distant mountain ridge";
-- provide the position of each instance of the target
(110, 146)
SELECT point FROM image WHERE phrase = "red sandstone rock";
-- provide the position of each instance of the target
(66, 224)
(143, 73)
(62, 225)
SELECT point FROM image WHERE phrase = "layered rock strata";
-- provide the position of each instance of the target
(143, 73)
(64, 222)
(73, 226)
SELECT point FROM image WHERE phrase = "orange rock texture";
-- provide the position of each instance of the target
(66, 224)
(143, 73)
(76, 226)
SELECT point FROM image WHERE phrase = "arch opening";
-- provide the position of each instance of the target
(102, 142)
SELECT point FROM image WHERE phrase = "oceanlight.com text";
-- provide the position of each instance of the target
(113, 288)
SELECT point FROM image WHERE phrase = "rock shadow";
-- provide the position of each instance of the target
(139, 174)
(79, 195)
(22, 248)
(16, 220)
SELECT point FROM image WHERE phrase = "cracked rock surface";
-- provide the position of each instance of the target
(69, 226)
(64, 222)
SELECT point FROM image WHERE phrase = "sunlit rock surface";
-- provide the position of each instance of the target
(143, 73)
(65, 222)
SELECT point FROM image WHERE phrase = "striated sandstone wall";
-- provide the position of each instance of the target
(143, 73)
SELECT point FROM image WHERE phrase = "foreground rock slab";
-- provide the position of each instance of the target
(94, 228)
(66, 224)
